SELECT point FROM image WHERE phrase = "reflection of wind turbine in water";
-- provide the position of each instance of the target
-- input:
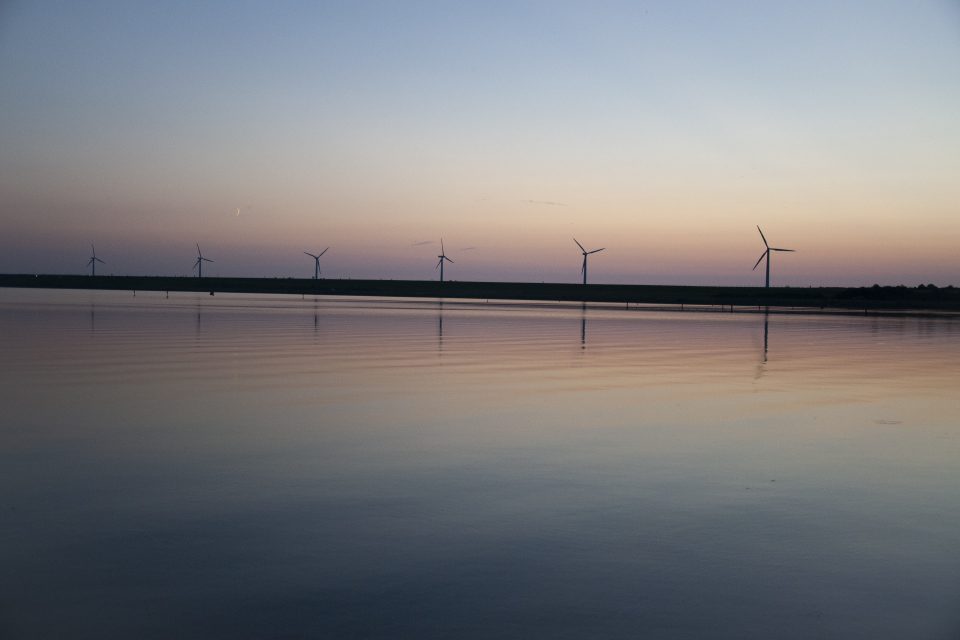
(440, 328)
(199, 262)
(766, 254)
(766, 335)
(316, 259)
(585, 254)
(442, 257)
(583, 326)
(93, 262)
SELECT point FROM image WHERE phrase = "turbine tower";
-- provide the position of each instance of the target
(316, 259)
(442, 257)
(199, 262)
(766, 254)
(93, 262)
(585, 254)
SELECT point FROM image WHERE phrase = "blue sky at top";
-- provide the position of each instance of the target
(664, 131)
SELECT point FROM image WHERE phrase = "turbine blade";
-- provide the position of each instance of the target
(579, 245)
(441, 246)
(596, 251)
(772, 249)
(324, 251)
(198, 249)
(762, 256)
(447, 259)
(196, 263)
(311, 255)
(764, 237)
(439, 262)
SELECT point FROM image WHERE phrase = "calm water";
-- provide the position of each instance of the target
(252, 466)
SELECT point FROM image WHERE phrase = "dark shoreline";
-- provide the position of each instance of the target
(863, 299)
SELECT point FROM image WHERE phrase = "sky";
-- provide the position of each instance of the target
(663, 132)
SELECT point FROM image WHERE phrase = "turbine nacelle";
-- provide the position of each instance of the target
(94, 257)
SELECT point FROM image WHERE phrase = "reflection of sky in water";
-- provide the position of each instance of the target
(213, 466)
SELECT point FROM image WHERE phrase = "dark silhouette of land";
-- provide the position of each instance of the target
(876, 298)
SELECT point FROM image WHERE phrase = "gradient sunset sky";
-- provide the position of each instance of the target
(662, 131)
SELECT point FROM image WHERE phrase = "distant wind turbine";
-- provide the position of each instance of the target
(585, 254)
(200, 261)
(93, 262)
(766, 254)
(316, 259)
(442, 257)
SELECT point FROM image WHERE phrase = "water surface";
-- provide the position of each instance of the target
(268, 466)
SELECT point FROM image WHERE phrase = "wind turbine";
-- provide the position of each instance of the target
(93, 262)
(585, 254)
(200, 261)
(767, 255)
(316, 259)
(442, 257)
